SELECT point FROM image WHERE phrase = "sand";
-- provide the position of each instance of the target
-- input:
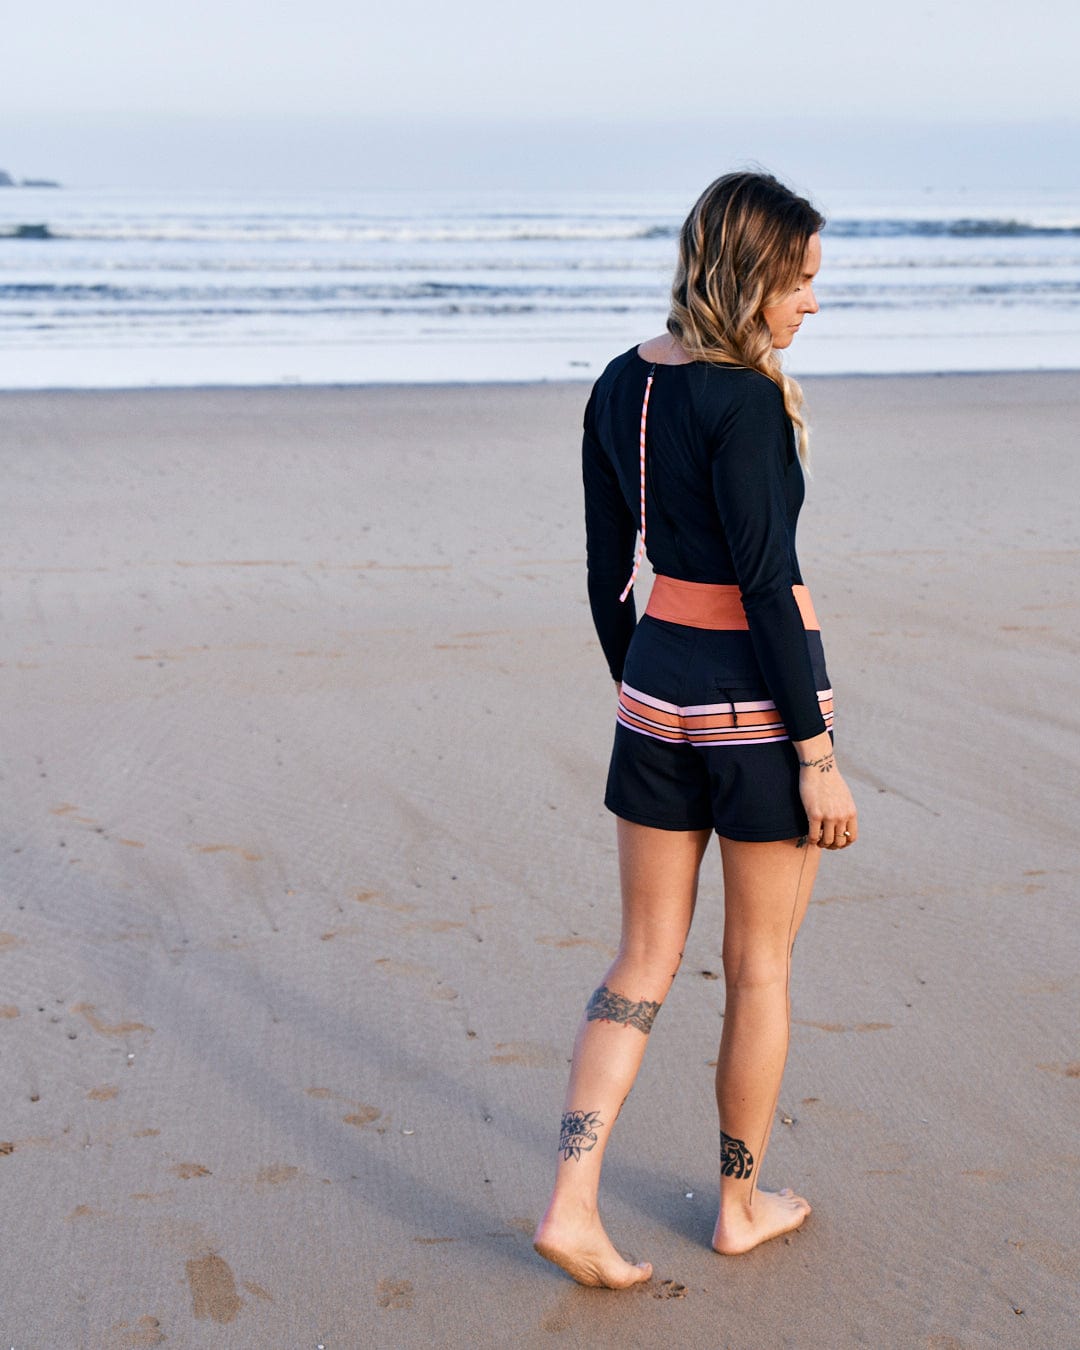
(305, 878)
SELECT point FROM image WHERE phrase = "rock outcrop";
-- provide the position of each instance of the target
(6, 180)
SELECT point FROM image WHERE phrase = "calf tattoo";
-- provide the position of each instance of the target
(578, 1133)
(604, 1006)
(736, 1160)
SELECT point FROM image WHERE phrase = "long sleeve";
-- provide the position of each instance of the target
(751, 458)
(610, 533)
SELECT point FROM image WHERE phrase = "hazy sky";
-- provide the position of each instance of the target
(333, 93)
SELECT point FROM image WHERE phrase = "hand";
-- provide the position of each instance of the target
(829, 806)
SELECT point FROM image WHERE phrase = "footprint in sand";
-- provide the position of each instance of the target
(394, 1293)
(670, 1289)
(228, 848)
(276, 1174)
(365, 1116)
(361, 1116)
(68, 810)
(1066, 1070)
(432, 926)
(145, 1333)
(375, 898)
(89, 1011)
(213, 1289)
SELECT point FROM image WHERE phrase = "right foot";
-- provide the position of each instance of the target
(739, 1228)
(585, 1252)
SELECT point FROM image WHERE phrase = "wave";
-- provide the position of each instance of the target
(283, 295)
(269, 232)
(500, 230)
(20, 300)
(961, 228)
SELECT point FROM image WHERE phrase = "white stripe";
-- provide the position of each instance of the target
(704, 709)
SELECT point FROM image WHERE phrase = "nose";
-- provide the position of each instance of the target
(810, 304)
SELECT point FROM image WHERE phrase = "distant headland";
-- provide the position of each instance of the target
(6, 180)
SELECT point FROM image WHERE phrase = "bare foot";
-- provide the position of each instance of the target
(740, 1228)
(580, 1246)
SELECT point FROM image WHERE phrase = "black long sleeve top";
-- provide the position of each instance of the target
(723, 490)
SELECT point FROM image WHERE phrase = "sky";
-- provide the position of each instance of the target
(258, 93)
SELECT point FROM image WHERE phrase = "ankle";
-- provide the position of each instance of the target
(734, 1208)
(568, 1204)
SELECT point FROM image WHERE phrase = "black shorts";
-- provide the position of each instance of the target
(699, 743)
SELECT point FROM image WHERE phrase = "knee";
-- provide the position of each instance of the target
(756, 970)
(645, 972)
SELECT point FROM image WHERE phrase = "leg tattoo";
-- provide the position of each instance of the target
(736, 1160)
(578, 1133)
(604, 1006)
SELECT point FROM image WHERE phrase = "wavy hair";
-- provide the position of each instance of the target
(741, 248)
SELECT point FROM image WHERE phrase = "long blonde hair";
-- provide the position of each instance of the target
(741, 248)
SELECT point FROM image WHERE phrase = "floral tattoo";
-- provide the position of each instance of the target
(578, 1134)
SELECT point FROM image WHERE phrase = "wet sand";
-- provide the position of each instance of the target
(305, 878)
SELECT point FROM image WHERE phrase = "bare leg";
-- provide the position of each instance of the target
(659, 872)
(766, 891)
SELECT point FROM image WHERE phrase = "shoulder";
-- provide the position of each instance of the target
(614, 370)
(736, 400)
(612, 376)
(737, 388)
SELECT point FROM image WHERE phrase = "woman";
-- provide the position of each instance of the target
(724, 704)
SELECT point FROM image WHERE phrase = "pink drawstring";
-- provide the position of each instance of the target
(640, 553)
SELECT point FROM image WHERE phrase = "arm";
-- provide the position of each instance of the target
(610, 532)
(749, 464)
(750, 453)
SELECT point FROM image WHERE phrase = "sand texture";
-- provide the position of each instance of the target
(305, 878)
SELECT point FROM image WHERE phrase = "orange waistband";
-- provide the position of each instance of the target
(697, 604)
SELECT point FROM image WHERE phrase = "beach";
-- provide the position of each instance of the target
(303, 886)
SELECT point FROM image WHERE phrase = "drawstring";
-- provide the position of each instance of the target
(640, 552)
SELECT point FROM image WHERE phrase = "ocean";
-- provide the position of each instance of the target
(135, 289)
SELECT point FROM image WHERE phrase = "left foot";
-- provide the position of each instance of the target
(578, 1244)
(740, 1228)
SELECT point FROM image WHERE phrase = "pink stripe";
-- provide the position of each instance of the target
(704, 709)
(637, 721)
(639, 553)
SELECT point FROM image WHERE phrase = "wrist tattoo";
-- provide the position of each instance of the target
(825, 764)
(604, 1006)
(736, 1160)
(577, 1134)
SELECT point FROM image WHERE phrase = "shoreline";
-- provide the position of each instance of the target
(585, 381)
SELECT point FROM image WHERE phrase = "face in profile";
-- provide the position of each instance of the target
(785, 317)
